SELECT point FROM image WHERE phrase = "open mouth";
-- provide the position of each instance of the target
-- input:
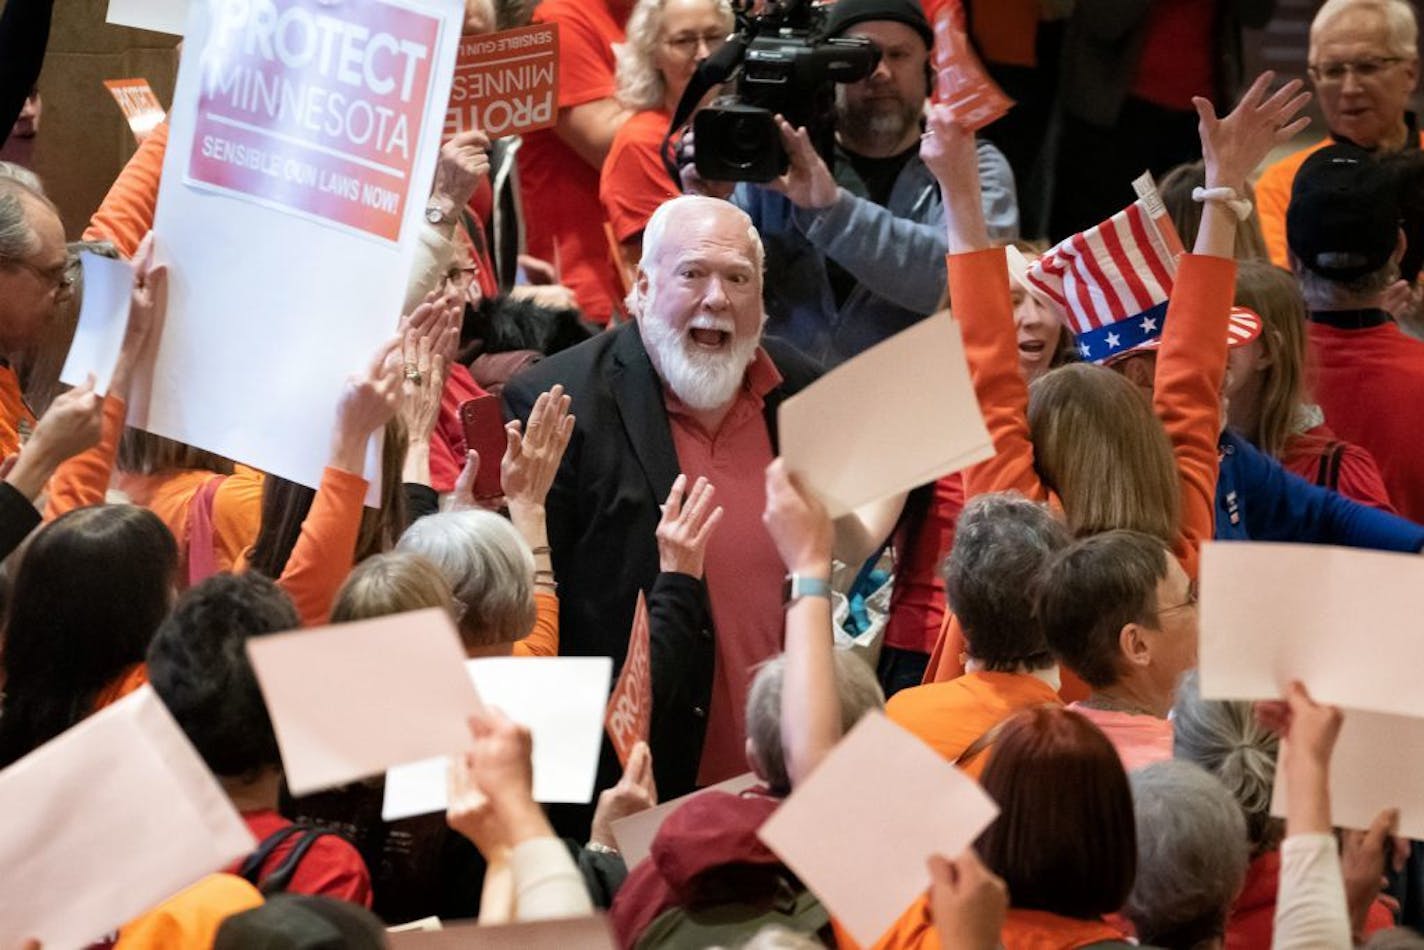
(1032, 347)
(708, 338)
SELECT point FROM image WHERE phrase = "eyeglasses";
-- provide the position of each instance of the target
(1364, 69)
(685, 44)
(61, 276)
(1191, 600)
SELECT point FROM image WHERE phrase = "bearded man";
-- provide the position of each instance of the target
(690, 386)
(858, 254)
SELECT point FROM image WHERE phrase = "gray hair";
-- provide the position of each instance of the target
(1000, 544)
(18, 239)
(490, 570)
(640, 85)
(856, 689)
(1225, 739)
(1398, 15)
(1324, 293)
(1191, 855)
(23, 175)
(656, 229)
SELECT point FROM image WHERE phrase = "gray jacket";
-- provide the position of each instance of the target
(895, 253)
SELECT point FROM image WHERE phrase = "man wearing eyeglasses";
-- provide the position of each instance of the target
(36, 276)
(1364, 62)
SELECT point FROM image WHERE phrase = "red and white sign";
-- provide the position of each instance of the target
(315, 108)
(506, 83)
(630, 708)
(138, 103)
(961, 82)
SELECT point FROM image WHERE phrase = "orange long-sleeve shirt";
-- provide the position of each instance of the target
(13, 411)
(1191, 366)
(543, 640)
(126, 213)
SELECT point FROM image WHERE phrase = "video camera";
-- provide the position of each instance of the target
(783, 63)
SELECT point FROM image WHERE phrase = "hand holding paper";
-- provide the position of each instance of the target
(634, 793)
(968, 902)
(491, 787)
(70, 425)
(904, 414)
(871, 869)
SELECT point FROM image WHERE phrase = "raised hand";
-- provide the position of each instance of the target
(798, 523)
(147, 308)
(684, 529)
(1233, 146)
(968, 902)
(369, 401)
(634, 792)
(949, 152)
(463, 161)
(531, 458)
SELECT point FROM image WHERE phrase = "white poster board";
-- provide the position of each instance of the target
(303, 139)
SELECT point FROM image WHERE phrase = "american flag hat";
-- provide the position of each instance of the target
(1110, 284)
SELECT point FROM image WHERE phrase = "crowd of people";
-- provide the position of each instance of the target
(1034, 618)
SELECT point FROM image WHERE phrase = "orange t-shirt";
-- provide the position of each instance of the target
(14, 412)
(634, 181)
(191, 917)
(563, 219)
(950, 717)
(543, 640)
(237, 506)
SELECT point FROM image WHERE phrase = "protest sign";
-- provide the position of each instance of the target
(353, 699)
(103, 319)
(302, 145)
(630, 708)
(960, 80)
(1272, 613)
(161, 16)
(107, 820)
(138, 103)
(894, 449)
(506, 83)
(864, 861)
(559, 699)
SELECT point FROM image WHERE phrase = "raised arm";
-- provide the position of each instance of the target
(810, 713)
(1191, 366)
(983, 306)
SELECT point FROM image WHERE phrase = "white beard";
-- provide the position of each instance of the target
(705, 381)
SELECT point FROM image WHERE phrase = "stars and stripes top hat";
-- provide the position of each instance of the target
(1110, 284)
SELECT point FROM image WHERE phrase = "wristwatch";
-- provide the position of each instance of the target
(797, 586)
(439, 212)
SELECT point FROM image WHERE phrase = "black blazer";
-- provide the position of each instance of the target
(603, 511)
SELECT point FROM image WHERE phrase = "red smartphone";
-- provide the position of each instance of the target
(483, 422)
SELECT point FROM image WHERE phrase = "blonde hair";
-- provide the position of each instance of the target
(1274, 295)
(1099, 447)
(1176, 191)
(639, 84)
(391, 583)
(1399, 20)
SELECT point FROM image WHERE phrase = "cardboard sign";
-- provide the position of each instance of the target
(315, 108)
(264, 278)
(138, 104)
(1146, 188)
(1272, 613)
(960, 80)
(864, 861)
(630, 708)
(921, 366)
(106, 821)
(586, 933)
(506, 83)
(353, 699)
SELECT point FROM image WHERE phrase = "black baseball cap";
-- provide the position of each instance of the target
(847, 13)
(1343, 218)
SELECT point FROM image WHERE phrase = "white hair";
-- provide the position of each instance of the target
(1398, 15)
(640, 85)
(489, 567)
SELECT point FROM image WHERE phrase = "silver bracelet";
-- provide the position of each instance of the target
(598, 847)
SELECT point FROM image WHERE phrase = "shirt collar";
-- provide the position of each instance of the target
(1364, 319)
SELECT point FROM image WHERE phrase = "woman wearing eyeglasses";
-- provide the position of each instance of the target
(666, 41)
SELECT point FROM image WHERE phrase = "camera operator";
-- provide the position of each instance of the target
(857, 256)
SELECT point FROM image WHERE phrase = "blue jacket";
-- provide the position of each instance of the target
(895, 253)
(1258, 500)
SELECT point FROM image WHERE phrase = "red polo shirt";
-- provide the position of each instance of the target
(744, 572)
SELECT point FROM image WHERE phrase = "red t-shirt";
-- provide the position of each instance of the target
(331, 868)
(1370, 382)
(917, 601)
(1177, 54)
(563, 220)
(634, 181)
(744, 571)
(1359, 479)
